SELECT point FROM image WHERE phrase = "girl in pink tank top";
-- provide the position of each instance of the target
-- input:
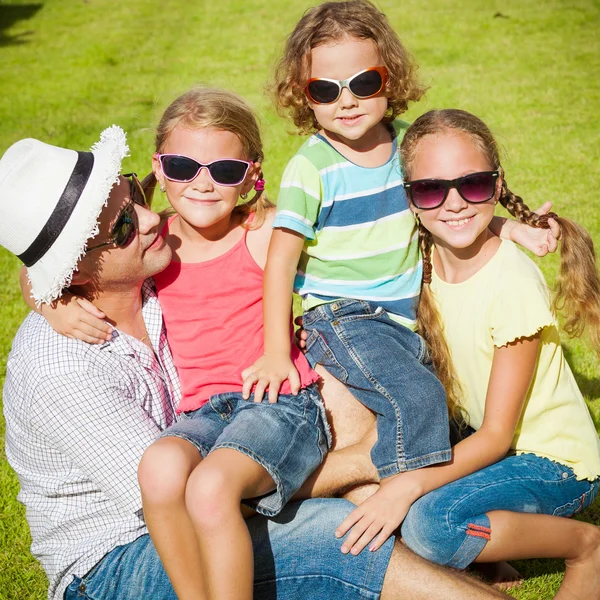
(226, 449)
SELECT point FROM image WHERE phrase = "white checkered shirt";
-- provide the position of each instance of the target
(78, 418)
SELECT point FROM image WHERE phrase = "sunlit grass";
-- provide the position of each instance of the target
(531, 70)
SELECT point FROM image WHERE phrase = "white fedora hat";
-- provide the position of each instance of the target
(50, 201)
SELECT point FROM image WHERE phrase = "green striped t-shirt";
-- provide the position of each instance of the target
(361, 239)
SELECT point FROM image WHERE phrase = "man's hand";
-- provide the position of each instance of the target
(535, 239)
(269, 371)
(377, 517)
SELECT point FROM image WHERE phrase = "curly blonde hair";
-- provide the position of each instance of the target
(330, 22)
(577, 290)
(205, 107)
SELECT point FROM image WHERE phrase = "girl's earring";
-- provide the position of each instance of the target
(162, 188)
(244, 196)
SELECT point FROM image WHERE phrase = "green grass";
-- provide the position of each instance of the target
(69, 68)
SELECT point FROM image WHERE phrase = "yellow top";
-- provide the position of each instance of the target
(506, 300)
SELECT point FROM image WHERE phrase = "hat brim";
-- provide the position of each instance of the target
(50, 275)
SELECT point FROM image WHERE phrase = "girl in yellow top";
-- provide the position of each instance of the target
(534, 454)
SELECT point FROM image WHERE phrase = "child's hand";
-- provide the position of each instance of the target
(77, 318)
(301, 335)
(269, 371)
(380, 515)
(537, 240)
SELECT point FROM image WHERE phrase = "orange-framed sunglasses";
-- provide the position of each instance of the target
(364, 84)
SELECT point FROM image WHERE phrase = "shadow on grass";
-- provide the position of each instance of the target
(11, 14)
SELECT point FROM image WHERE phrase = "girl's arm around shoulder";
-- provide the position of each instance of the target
(537, 240)
(70, 315)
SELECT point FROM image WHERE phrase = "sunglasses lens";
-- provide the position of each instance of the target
(478, 187)
(428, 193)
(124, 228)
(323, 92)
(366, 84)
(179, 168)
(228, 172)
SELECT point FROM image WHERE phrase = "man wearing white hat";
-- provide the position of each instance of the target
(79, 416)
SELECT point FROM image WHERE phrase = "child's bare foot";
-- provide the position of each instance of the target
(500, 575)
(582, 574)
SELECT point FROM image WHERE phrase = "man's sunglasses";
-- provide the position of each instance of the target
(183, 169)
(427, 194)
(364, 84)
(125, 227)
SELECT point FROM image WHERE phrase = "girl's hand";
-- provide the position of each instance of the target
(377, 517)
(78, 319)
(269, 371)
(537, 240)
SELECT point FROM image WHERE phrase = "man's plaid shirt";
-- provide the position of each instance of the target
(78, 418)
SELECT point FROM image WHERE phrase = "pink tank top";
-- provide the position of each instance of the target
(214, 321)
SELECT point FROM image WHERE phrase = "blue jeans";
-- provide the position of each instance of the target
(386, 366)
(296, 557)
(288, 438)
(449, 526)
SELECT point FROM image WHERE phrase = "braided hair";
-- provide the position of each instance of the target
(577, 290)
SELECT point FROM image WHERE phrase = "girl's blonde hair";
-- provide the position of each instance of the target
(205, 107)
(577, 290)
(334, 21)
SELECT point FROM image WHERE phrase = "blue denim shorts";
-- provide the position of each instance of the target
(296, 557)
(387, 367)
(449, 526)
(288, 438)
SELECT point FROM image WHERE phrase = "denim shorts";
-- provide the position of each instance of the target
(296, 557)
(288, 438)
(387, 367)
(449, 526)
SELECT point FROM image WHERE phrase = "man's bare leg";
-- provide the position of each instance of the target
(350, 421)
(410, 576)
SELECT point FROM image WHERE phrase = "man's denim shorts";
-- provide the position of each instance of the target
(296, 557)
(288, 438)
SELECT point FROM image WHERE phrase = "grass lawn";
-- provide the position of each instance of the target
(530, 69)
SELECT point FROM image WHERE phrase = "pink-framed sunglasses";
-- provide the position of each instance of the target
(183, 169)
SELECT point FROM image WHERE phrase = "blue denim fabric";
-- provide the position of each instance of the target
(289, 438)
(296, 557)
(386, 366)
(436, 525)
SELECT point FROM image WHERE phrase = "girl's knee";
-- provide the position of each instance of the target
(210, 497)
(426, 528)
(165, 468)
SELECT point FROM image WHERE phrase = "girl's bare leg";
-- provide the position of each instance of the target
(523, 535)
(213, 496)
(163, 475)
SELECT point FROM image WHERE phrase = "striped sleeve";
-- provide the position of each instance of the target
(299, 199)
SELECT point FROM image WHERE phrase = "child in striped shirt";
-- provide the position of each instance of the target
(345, 239)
